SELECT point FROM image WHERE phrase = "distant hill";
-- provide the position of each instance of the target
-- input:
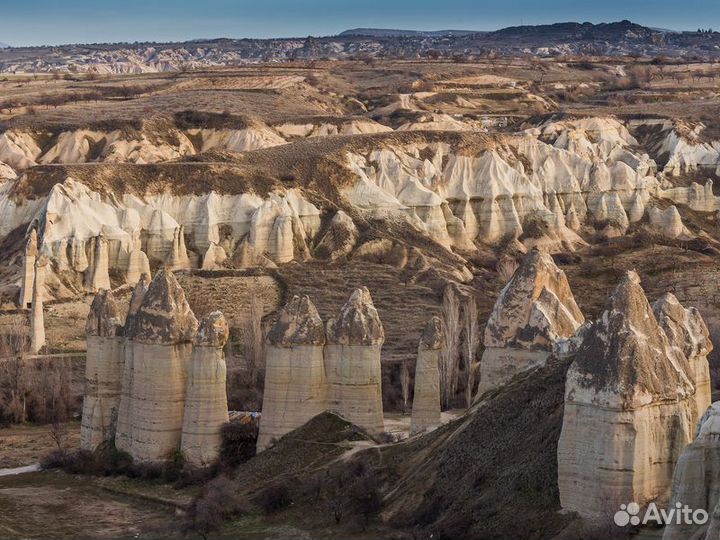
(390, 32)
(4, 45)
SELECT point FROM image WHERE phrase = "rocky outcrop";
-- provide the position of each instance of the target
(28, 269)
(426, 399)
(628, 412)
(687, 332)
(103, 371)
(37, 311)
(161, 337)
(206, 407)
(339, 239)
(295, 384)
(534, 310)
(123, 431)
(352, 362)
(696, 480)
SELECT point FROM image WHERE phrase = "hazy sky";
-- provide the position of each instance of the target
(34, 22)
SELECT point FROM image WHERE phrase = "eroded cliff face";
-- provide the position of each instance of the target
(629, 409)
(546, 187)
(533, 312)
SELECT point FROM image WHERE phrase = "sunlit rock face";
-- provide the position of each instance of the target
(28, 269)
(295, 384)
(534, 310)
(426, 398)
(352, 362)
(687, 332)
(161, 337)
(103, 371)
(696, 480)
(629, 409)
(206, 407)
(123, 431)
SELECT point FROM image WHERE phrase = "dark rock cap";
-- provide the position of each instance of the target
(213, 331)
(104, 318)
(297, 324)
(136, 299)
(164, 317)
(358, 322)
(432, 337)
(627, 354)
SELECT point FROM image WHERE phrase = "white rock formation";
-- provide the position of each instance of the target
(206, 407)
(352, 362)
(295, 384)
(668, 223)
(138, 264)
(28, 271)
(534, 310)
(103, 371)
(123, 431)
(37, 312)
(628, 413)
(687, 332)
(98, 271)
(426, 398)
(177, 258)
(161, 339)
(214, 257)
(696, 480)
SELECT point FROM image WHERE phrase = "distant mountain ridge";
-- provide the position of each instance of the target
(390, 32)
(620, 38)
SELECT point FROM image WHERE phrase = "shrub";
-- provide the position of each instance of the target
(238, 442)
(273, 498)
(217, 503)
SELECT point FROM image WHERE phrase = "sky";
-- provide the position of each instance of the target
(36, 22)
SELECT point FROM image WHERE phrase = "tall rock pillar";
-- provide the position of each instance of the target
(103, 371)
(352, 362)
(162, 336)
(206, 408)
(426, 399)
(295, 383)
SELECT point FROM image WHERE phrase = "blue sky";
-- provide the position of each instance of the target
(34, 22)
